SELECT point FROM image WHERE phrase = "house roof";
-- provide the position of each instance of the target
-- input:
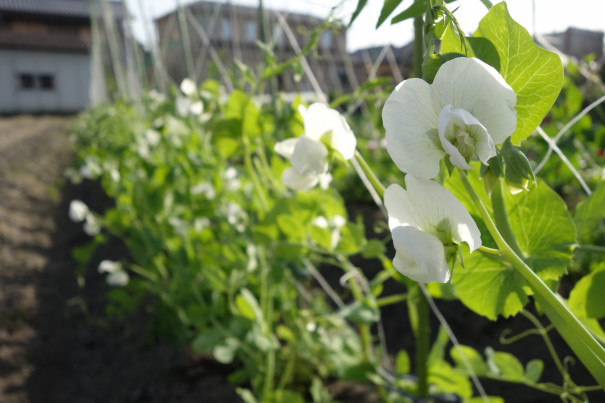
(53, 8)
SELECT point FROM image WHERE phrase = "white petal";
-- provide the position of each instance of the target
(436, 207)
(420, 256)
(296, 181)
(286, 148)
(188, 87)
(309, 157)
(77, 211)
(117, 279)
(472, 85)
(320, 221)
(482, 142)
(398, 206)
(319, 119)
(410, 120)
(109, 266)
(324, 180)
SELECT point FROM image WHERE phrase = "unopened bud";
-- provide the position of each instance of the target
(518, 171)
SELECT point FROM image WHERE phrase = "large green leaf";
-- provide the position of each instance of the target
(589, 214)
(540, 223)
(587, 298)
(534, 73)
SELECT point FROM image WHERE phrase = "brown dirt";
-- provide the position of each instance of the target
(55, 343)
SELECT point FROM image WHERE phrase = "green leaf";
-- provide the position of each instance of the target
(387, 9)
(417, 9)
(360, 5)
(321, 236)
(373, 249)
(248, 306)
(402, 362)
(540, 222)
(587, 298)
(504, 364)
(534, 73)
(225, 352)
(448, 380)
(589, 214)
(290, 226)
(533, 370)
(364, 312)
(473, 358)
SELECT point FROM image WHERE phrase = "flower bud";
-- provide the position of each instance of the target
(518, 171)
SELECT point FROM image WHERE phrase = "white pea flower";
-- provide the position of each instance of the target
(466, 111)
(188, 87)
(236, 216)
(152, 137)
(324, 128)
(78, 211)
(427, 223)
(92, 226)
(334, 225)
(109, 266)
(204, 188)
(117, 279)
(232, 183)
(116, 275)
(196, 108)
(90, 169)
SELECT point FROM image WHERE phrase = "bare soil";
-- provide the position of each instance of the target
(55, 343)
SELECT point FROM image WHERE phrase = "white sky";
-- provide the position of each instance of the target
(550, 16)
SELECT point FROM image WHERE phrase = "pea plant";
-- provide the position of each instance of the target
(231, 213)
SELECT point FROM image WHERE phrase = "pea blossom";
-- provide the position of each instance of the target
(463, 114)
(427, 222)
(325, 129)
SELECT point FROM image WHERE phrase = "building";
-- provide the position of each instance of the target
(44, 55)
(220, 33)
(390, 60)
(577, 43)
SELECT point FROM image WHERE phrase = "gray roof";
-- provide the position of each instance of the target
(55, 8)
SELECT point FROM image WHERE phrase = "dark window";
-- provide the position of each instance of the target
(26, 81)
(46, 82)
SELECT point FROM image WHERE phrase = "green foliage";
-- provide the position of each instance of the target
(542, 227)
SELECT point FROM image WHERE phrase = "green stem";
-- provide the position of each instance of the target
(391, 299)
(369, 173)
(488, 4)
(584, 247)
(501, 218)
(364, 330)
(266, 301)
(418, 53)
(586, 347)
(418, 308)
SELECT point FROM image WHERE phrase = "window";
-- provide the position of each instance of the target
(325, 40)
(29, 81)
(250, 31)
(46, 81)
(26, 81)
(225, 28)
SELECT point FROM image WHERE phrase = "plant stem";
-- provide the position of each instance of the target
(369, 173)
(575, 334)
(488, 4)
(501, 218)
(391, 299)
(422, 345)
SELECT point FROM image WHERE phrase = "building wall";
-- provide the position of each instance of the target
(233, 32)
(37, 81)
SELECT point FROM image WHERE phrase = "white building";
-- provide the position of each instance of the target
(44, 56)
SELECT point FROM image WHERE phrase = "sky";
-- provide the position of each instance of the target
(550, 16)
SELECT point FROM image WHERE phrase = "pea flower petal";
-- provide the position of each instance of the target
(464, 113)
(325, 129)
(426, 221)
